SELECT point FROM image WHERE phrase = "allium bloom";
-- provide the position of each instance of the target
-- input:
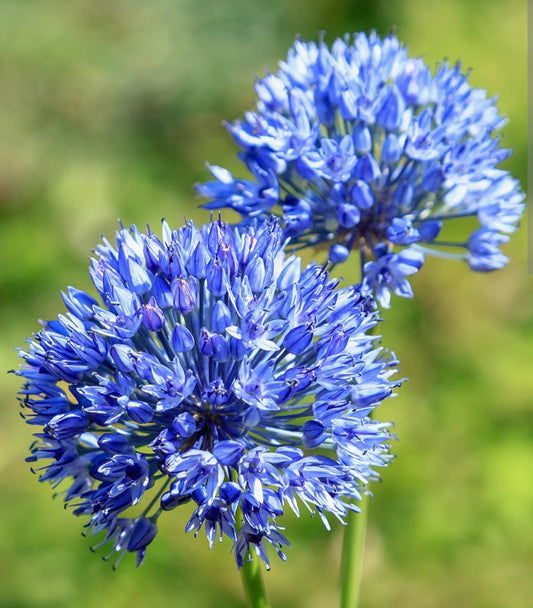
(215, 372)
(362, 147)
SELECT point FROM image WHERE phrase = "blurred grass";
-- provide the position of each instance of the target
(109, 111)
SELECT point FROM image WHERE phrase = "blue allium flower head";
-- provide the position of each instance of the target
(212, 371)
(360, 146)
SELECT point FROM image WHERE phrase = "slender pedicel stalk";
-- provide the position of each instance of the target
(352, 556)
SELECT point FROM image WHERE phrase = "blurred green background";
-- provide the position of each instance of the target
(108, 110)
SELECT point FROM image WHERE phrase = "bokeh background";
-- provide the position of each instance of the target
(108, 110)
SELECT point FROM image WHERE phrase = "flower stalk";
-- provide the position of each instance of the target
(254, 585)
(352, 555)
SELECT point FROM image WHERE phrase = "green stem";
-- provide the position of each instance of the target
(252, 578)
(352, 556)
(253, 584)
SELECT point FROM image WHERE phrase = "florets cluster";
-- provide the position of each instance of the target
(361, 147)
(211, 371)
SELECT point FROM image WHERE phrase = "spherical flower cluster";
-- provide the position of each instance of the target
(361, 147)
(212, 371)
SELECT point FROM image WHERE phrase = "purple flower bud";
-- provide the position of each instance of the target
(184, 425)
(363, 395)
(155, 255)
(256, 274)
(298, 339)
(220, 317)
(215, 235)
(183, 296)
(391, 150)
(401, 232)
(483, 252)
(162, 293)
(137, 276)
(182, 339)
(230, 492)
(79, 303)
(214, 345)
(348, 215)
(433, 179)
(142, 535)
(391, 112)
(362, 195)
(171, 500)
(153, 316)
(140, 411)
(113, 443)
(404, 195)
(123, 357)
(197, 263)
(237, 348)
(362, 140)
(216, 393)
(65, 426)
(314, 433)
(410, 261)
(252, 417)
(226, 254)
(367, 169)
(166, 443)
(228, 453)
(429, 230)
(217, 282)
(338, 253)
(298, 215)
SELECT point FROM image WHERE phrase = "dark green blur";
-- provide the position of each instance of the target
(109, 110)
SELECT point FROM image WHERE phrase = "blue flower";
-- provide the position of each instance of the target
(210, 370)
(360, 146)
